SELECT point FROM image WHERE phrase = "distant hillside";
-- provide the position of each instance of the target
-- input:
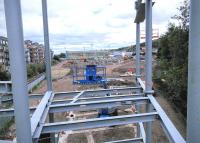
(132, 47)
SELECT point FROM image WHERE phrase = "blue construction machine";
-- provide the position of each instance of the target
(89, 75)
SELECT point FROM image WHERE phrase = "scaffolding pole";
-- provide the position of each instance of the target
(148, 63)
(18, 70)
(193, 108)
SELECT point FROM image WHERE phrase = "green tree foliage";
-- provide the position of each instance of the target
(62, 55)
(171, 71)
(56, 57)
(4, 75)
(35, 69)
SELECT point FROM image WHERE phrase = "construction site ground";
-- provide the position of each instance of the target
(62, 81)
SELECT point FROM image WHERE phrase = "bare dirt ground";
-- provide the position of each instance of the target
(63, 82)
(175, 116)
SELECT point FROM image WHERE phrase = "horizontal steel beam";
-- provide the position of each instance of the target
(141, 83)
(5, 141)
(6, 86)
(6, 98)
(100, 92)
(91, 99)
(87, 106)
(71, 95)
(134, 140)
(62, 95)
(37, 115)
(127, 90)
(10, 112)
(98, 122)
(32, 84)
(172, 133)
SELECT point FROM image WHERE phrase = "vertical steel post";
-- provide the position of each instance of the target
(138, 50)
(46, 44)
(138, 74)
(51, 120)
(193, 108)
(18, 70)
(148, 63)
(138, 67)
(148, 53)
(47, 58)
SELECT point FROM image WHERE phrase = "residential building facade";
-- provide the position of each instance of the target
(4, 54)
(34, 53)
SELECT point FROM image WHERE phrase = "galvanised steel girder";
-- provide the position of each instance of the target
(103, 92)
(134, 140)
(98, 122)
(172, 133)
(77, 96)
(71, 95)
(170, 130)
(100, 92)
(8, 98)
(84, 99)
(88, 106)
(68, 95)
(39, 112)
(10, 112)
(4, 141)
(142, 132)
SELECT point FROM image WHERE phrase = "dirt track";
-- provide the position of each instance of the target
(64, 83)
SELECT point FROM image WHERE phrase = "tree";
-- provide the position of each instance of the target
(4, 75)
(183, 16)
(62, 55)
(56, 57)
(173, 60)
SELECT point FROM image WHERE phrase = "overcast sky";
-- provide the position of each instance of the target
(93, 24)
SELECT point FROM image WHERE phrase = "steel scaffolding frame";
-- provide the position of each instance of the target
(29, 129)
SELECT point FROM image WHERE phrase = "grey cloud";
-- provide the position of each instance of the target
(61, 39)
(98, 11)
(126, 16)
(1, 6)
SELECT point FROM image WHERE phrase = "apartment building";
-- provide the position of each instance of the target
(4, 54)
(36, 51)
(41, 53)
